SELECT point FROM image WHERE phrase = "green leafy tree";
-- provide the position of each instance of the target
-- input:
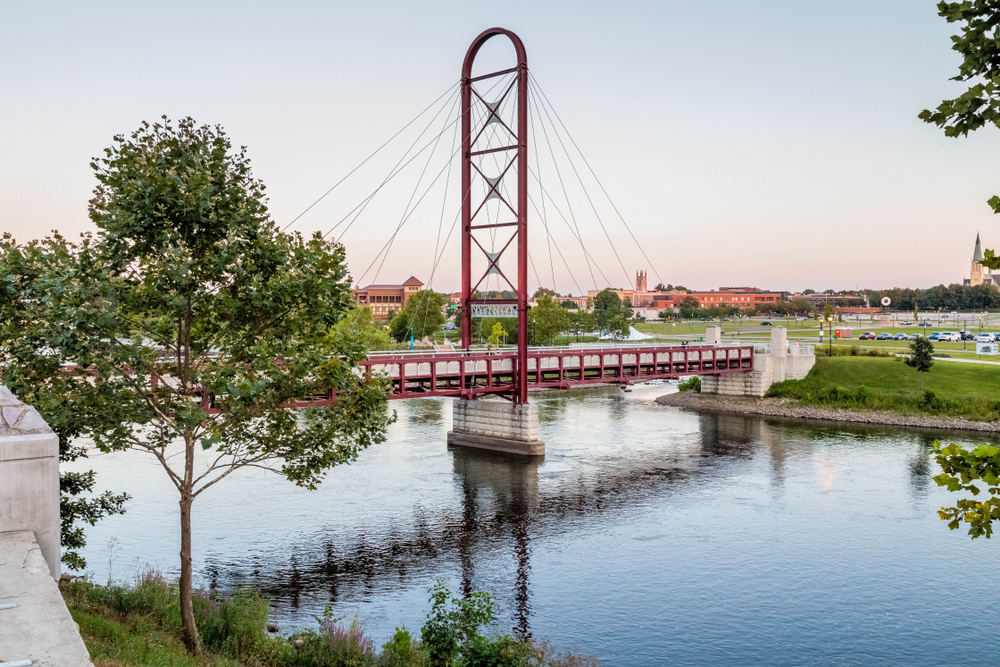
(497, 335)
(979, 105)
(359, 326)
(961, 469)
(546, 320)
(424, 312)
(482, 327)
(569, 305)
(607, 306)
(921, 354)
(196, 323)
(69, 402)
(688, 308)
(660, 287)
(544, 291)
(581, 321)
(619, 328)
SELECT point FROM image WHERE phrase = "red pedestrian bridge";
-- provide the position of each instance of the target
(470, 373)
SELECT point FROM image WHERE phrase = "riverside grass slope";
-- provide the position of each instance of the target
(971, 391)
(138, 625)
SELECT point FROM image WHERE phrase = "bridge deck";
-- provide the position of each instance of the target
(475, 372)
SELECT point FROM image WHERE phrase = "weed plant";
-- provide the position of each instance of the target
(693, 383)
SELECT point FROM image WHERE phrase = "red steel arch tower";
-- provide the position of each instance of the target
(515, 155)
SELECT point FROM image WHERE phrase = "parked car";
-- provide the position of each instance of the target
(448, 326)
(868, 335)
(924, 324)
(765, 324)
(949, 337)
(883, 336)
(985, 338)
(901, 336)
(967, 335)
(934, 336)
(913, 337)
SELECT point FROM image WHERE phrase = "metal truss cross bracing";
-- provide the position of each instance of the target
(515, 158)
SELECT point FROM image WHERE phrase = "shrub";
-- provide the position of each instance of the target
(921, 351)
(692, 383)
(501, 651)
(402, 650)
(237, 626)
(453, 621)
(853, 351)
(929, 401)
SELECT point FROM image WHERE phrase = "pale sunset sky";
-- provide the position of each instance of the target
(755, 142)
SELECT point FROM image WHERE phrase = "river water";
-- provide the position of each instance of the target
(647, 536)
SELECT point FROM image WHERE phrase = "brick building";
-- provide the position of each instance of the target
(739, 297)
(383, 299)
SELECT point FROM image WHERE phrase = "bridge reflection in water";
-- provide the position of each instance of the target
(506, 506)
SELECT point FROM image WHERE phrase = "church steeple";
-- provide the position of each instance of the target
(976, 273)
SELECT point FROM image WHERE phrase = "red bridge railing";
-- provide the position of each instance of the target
(469, 373)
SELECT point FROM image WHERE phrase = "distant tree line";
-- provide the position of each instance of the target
(942, 297)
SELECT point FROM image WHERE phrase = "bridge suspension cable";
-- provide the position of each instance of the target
(533, 81)
(397, 169)
(408, 211)
(628, 278)
(452, 88)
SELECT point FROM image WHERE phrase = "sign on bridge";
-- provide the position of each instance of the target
(494, 310)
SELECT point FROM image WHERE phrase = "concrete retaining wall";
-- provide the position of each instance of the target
(782, 362)
(38, 627)
(29, 477)
(496, 425)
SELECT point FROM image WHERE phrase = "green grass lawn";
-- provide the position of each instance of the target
(966, 390)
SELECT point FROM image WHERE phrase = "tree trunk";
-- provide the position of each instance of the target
(191, 638)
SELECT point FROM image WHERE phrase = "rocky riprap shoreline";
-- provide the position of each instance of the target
(788, 409)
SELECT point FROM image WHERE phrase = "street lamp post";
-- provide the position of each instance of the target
(830, 330)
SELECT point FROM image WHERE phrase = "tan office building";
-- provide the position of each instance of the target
(386, 300)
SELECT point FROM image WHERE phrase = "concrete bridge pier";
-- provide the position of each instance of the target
(499, 426)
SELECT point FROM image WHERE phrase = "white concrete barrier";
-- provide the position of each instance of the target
(35, 624)
(29, 477)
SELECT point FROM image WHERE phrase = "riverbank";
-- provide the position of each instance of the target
(791, 409)
(139, 624)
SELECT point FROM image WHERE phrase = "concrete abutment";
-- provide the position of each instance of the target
(774, 363)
